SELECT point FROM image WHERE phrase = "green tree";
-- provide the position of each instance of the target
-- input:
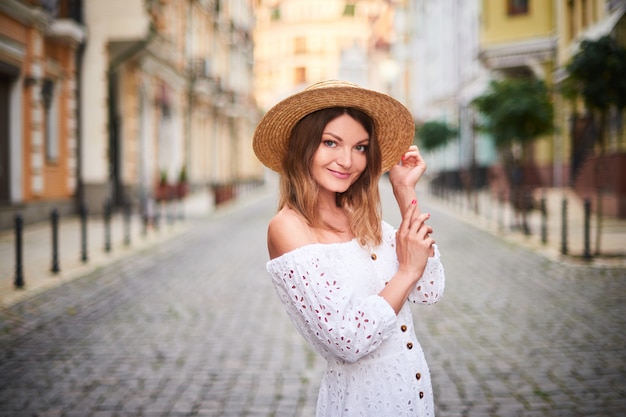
(597, 73)
(434, 134)
(514, 113)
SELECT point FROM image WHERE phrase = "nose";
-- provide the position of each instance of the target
(345, 158)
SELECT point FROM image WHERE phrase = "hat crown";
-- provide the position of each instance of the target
(330, 84)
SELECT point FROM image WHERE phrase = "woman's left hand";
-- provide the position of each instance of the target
(409, 170)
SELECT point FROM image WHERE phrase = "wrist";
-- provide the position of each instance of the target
(404, 191)
(407, 275)
(404, 195)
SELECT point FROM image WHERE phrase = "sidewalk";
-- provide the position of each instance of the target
(37, 247)
(492, 217)
(498, 218)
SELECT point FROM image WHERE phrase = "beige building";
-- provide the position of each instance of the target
(167, 98)
(300, 42)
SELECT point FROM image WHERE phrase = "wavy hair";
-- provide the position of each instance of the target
(299, 191)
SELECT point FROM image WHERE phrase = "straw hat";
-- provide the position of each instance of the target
(393, 123)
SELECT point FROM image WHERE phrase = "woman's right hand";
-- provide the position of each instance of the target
(413, 247)
(413, 242)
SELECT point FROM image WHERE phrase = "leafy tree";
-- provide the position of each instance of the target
(597, 73)
(515, 112)
(434, 134)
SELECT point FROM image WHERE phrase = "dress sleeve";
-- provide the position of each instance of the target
(429, 288)
(325, 307)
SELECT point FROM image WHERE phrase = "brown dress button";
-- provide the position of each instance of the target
(403, 327)
(409, 345)
(418, 376)
(421, 394)
(373, 256)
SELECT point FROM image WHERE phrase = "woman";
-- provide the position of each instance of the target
(344, 276)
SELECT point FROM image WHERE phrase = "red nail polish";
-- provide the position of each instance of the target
(414, 202)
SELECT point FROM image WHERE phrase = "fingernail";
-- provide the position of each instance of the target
(428, 215)
(414, 202)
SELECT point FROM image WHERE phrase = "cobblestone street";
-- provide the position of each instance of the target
(192, 327)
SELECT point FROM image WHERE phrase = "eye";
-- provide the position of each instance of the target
(329, 143)
(361, 148)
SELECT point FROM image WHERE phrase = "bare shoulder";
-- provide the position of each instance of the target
(287, 231)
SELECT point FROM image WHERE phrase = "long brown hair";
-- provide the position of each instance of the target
(299, 190)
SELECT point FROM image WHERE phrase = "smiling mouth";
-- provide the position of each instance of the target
(341, 175)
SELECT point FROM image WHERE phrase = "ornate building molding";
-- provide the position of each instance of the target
(528, 53)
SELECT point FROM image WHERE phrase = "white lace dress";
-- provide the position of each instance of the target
(375, 365)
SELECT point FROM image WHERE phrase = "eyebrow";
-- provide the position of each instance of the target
(341, 139)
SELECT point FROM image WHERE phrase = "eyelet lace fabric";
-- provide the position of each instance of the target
(375, 365)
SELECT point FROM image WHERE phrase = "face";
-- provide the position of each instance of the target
(341, 156)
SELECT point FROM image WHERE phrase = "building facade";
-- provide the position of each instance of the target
(300, 42)
(594, 170)
(106, 102)
(446, 76)
(458, 46)
(518, 40)
(39, 43)
(177, 105)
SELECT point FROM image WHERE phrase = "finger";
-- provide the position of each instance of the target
(408, 217)
(419, 220)
(424, 232)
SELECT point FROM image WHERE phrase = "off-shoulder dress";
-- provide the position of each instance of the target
(375, 365)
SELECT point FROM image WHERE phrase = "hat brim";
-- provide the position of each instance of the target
(393, 123)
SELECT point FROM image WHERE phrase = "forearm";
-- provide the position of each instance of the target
(397, 290)
(404, 195)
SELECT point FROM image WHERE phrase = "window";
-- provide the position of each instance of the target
(51, 110)
(275, 14)
(300, 75)
(517, 7)
(300, 45)
(349, 9)
(571, 24)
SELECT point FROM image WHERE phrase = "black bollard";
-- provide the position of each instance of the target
(145, 221)
(587, 231)
(544, 221)
(107, 226)
(83, 233)
(157, 216)
(564, 227)
(127, 212)
(19, 272)
(500, 211)
(54, 219)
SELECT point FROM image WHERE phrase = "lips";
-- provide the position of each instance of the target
(340, 175)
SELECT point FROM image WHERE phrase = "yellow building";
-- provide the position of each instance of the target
(537, 39)
(38, 104)
(518, 40)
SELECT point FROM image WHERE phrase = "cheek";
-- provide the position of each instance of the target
(361, 161)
